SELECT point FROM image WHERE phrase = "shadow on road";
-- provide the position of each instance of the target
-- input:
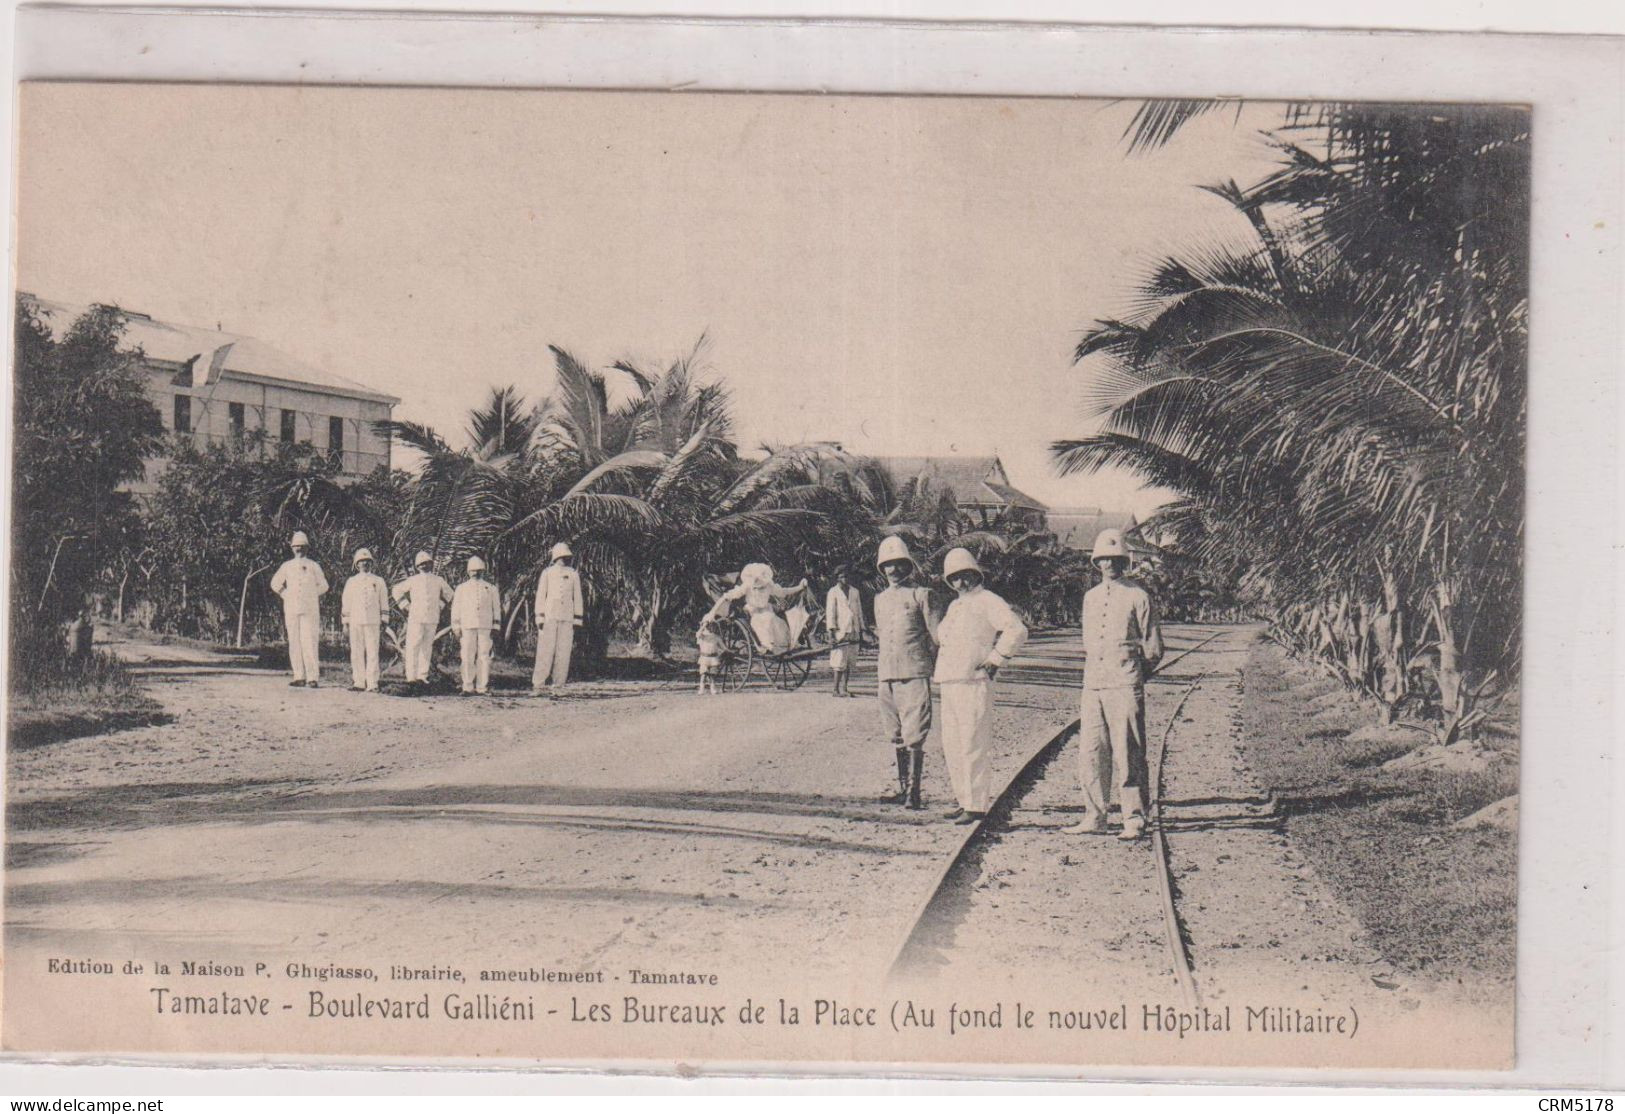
(134, 892)
(122, 806)
(264, 802)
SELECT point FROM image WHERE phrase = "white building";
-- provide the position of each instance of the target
(218, 387)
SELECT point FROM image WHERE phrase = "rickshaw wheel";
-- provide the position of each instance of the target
(737, 656)
(793, 672)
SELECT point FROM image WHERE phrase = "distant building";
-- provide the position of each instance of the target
(218, 387)
(980, 487)
(1077, 527)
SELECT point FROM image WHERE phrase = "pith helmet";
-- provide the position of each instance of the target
(362, 554)
(561, 550)
(958, 561)
(893, 549)
(422, 559)
(299, 538)
(1109, 543)
(475, 564)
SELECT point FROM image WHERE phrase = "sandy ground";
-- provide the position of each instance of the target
(1263, 933)
(632, 826)
(628, 822)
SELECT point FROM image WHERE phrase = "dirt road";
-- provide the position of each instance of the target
(635, 827)
(629, 822)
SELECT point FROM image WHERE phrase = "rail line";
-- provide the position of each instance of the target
(912, 947)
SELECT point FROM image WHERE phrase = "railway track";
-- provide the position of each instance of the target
(915, 948)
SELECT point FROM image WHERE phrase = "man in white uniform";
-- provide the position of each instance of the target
(558, 614)
(978, 635)
(843, 618)
(300, 583)
(1122, 642)
(476, 614)
(364, 611)
(423, 596)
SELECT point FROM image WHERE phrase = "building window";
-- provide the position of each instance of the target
(183, 413)
(287, 427)
(335, 435)
(238, 419)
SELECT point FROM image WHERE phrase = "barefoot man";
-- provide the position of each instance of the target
(843, 618)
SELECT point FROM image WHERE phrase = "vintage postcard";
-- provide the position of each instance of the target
(569, 576)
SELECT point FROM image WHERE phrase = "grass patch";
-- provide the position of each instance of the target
(54, 701)
(1364, 755)
(1438, 903)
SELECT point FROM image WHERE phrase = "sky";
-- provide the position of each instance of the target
(902, 275)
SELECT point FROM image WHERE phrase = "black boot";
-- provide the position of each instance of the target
(901, 795)
(915, 776)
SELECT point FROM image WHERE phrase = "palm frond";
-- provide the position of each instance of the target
(1156, 122)
(634, 460)
(414, 435)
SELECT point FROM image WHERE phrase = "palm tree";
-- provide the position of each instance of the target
(495, 497)
(1340, 401)
(638, 470)
(667, 450)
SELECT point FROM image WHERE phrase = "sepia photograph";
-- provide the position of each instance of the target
(563, 576)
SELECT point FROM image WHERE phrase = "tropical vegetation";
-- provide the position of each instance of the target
(639, 470)
(1336, 401)
(82, 425)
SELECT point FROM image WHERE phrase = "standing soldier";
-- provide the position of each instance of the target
(300, 583)
(364, 611)
(906, 628)
(843, 618)
(979, 635)
(1122, 641)
(476, 613)
(558, 614)
(424, 595)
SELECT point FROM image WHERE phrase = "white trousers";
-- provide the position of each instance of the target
(419, 650)
(476, 658)
(554, 641)
(1112, 752)
(304, 642)
(967, 731)
(364, 654)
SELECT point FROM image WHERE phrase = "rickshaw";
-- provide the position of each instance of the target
(743, 656)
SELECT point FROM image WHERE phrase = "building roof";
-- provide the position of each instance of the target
(1077, 527)
(978, 481)
(219, 354)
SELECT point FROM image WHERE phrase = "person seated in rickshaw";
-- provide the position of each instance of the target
(763, 599)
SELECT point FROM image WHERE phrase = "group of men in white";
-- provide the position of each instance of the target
(476, 616)
(960, 653)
